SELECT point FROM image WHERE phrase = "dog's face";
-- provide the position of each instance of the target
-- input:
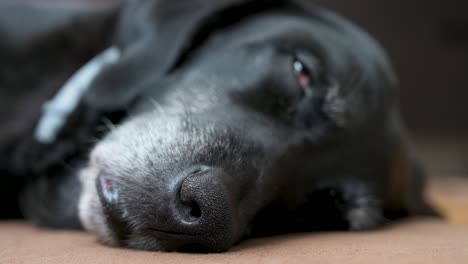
(232, 131)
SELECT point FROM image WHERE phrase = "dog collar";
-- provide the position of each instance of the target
(56, 111)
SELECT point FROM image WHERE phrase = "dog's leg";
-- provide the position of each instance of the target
(415, 202)
(349, 205)
(341, 205)
(361, 208)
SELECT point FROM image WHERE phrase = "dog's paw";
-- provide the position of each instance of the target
(365, 217)
(361, 208)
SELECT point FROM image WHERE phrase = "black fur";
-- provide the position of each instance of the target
(200, 135)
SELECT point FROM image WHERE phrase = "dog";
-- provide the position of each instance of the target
(207, 122)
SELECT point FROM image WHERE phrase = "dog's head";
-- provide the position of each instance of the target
(232, 103)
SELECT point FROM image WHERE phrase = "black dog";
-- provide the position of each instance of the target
(216, 120)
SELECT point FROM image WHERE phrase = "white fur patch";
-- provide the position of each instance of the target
(57, 110)
(89, 206)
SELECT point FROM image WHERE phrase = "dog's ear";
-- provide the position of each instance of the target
(152, 37)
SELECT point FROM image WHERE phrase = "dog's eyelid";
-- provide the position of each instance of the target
(304, 75)
(313, 65)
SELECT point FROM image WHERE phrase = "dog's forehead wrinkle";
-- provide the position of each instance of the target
(254, 29)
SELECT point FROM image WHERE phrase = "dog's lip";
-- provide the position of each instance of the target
(160, 233)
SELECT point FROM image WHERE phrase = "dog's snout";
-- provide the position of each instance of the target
(201, 217)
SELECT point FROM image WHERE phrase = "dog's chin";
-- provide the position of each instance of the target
(90, 208)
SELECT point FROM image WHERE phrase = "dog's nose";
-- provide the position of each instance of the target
(202, 218)
(193, 213)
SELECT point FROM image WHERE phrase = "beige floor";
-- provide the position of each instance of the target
(442, 153)
(415, 241)
(450, 196)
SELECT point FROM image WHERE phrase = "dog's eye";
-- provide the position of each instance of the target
(304, 76)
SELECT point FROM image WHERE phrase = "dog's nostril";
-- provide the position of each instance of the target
(192, 210)
(195, 210)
